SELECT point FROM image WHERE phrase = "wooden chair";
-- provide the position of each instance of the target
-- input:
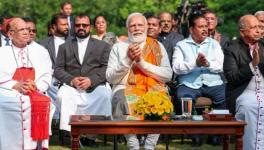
(202, 103)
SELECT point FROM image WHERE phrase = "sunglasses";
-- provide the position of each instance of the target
(83, 25)
(32, 30)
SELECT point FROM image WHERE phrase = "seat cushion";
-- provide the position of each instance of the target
(203, 101)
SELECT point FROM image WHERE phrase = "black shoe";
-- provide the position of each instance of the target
(214, 140)
(82, 141)
(91, 143)
(64, 138)
(87, 142)
(196, 141)
(142, 140)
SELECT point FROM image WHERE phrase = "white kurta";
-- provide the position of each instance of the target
(117, 74)
(119, 65)
(15, 110)
(250, 108)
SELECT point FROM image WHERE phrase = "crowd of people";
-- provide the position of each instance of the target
(73, 72)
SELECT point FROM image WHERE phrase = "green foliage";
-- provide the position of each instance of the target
(116, 11)
(231, 10)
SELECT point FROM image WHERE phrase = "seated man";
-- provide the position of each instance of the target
(212, 22)
(24, 110)
(198, 60)
(167, 37)
(244, 70)
(135, 67)
(81, 66)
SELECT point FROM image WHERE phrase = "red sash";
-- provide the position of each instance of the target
(40, 106)
(23, 73)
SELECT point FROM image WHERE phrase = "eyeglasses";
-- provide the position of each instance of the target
(83, 25)
(254, 27)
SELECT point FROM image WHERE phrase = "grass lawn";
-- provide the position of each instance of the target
(175, 144)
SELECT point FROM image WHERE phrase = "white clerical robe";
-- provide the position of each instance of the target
(250, 108)
(15, 108)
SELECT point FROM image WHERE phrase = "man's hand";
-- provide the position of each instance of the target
(75, 82)
(255, 55)
(81, 83)
(201, 60)
(25, 87)
(134, 52)
(85, 83)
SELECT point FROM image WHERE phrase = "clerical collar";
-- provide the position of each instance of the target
(84, 39)
(19, 48)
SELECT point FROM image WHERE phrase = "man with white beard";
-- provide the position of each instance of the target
(139, 62)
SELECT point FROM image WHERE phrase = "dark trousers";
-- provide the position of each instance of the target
(215, 93)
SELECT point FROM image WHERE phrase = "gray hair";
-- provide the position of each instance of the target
(241, 24)
(133, 15)
(242, 21)
(260, 12)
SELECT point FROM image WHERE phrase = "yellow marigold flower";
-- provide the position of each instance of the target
(154, 110)
(160, 111)
(155, 104)
(147, 110)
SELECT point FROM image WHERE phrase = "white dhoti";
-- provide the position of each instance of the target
(250, 108)
(15, 126)
(74, 102)
(150, 141)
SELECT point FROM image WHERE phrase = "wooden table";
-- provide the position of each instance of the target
(81, 126)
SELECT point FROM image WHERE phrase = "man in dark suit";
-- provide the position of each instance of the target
(166, 37)
(66, 9)
(4, 39)
(212, 22)
(81, 67)
(52, 43)
(244, 70)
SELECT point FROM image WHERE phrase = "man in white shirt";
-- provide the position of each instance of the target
(197, 62)
(16, 104)
(81, 66)
(127, 63)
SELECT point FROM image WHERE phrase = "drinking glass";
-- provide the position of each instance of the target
(186, 106)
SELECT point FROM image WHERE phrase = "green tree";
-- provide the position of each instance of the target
(231, 10)
(116, 11)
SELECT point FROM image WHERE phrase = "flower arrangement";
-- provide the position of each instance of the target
(154, 106)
